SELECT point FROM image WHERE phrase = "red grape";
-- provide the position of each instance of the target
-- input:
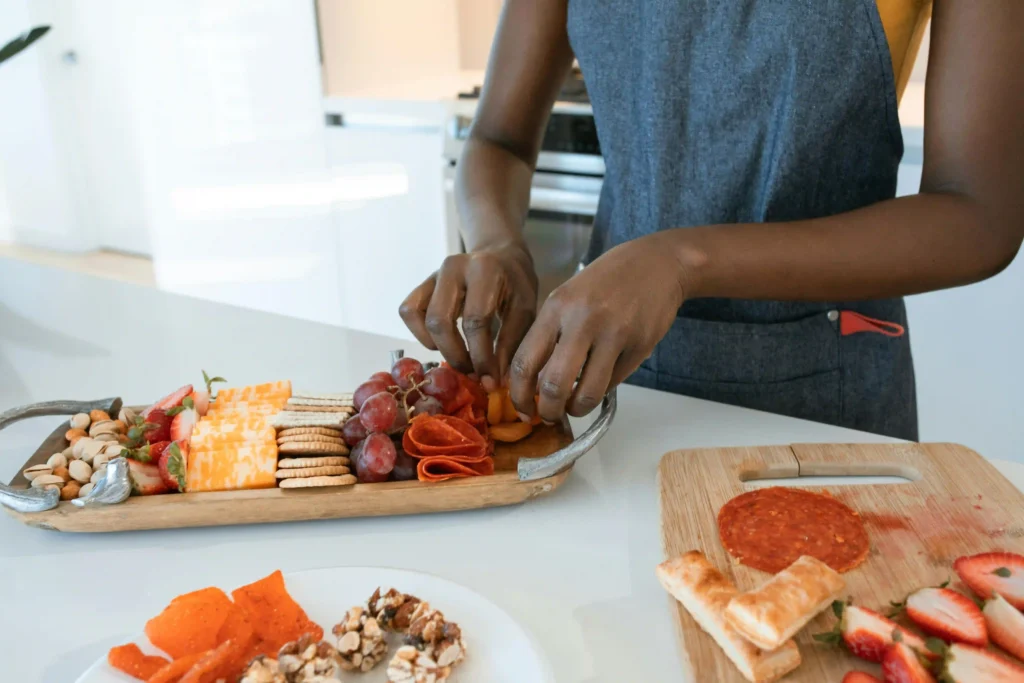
(378, 412)
(412, 396)
(384, 377)
(378, 458)
(442, 383)
(356, 454)
(407, 372)
(401, 420)
(405, 467)
(353, 431)
(428, 405)
(366, 390)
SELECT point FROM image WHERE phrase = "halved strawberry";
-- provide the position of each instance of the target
(158, 426)
(1005, 625)
(867, 634)
(184, 421)
(859, 677)
(146, 480)
(201, 399)
(990, 573)
(169, 401)
(173, 464)
(969, 664)
(948, 615)
(902, 664)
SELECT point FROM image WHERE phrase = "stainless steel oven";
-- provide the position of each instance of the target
(563, 197)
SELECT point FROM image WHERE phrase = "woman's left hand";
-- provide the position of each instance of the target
(596, 329)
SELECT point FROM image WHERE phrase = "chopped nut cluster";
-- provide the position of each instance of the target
(263, 670)
(409, 665)
(307, 661)
(361, 644)
(432, 647)
(392, 610)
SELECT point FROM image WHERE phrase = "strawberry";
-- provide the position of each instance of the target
(969, 664)
(990, 573)
(173, 464)
(145, 477)
(859, 677)
(184, 421)
(948, 615)
(169, 401)
(201, 399)
(867, 634)
(161, 426)
(1005, 625)
(902, 664)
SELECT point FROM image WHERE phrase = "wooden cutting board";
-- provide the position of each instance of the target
(955, 504)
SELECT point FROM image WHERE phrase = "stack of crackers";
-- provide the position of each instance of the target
(310, 445)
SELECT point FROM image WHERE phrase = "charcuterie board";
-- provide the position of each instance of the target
(504, 487)
(953, 503)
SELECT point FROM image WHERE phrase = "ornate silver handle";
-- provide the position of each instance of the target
(38, 500)
(531, 469)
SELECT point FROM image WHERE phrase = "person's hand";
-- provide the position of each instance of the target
(597, 327)
(488, 284)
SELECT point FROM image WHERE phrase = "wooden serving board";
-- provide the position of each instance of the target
(171, 511)
(955, 504)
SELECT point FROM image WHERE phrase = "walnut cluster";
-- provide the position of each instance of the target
(361, 644)
(392, 609)
(302, 661)
(431, 648)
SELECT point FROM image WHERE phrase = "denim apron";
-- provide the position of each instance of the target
(752, 111)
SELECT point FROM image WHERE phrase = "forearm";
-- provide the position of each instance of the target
(903, 246)
(492, 192)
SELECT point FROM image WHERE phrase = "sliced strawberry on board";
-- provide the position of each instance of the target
(169, 401)
(184, 421)
(201, 399)
(902, 664)
(990, 573)
(867, 634)
(173, 464)
(859, 677)
(948, 615)
(161, 426)
(1005, 626)
(146, 480)
(969, 664)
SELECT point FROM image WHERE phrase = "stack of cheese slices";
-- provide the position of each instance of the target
(753, 629)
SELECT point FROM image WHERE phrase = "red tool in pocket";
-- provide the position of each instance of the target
(851, 322)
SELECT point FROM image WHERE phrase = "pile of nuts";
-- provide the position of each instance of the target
(94, 440)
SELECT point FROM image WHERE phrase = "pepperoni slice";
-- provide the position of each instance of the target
(447, 447)
(770, 528)
(441, 468)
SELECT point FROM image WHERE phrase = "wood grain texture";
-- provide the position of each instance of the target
(955, 503)
(276, 505)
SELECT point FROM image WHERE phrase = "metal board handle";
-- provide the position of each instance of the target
(531, 469)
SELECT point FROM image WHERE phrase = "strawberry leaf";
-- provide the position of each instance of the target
(1003, 573)
(209, 382)
(837, 608)
(897, 637)
(176, 466)
(944, 584)
(828, 638)
(188, 403)
(935, 645)
(176, 409)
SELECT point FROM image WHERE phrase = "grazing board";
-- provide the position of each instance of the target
(279, 505)
(954, 503)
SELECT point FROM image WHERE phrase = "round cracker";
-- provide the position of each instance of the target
(301, 472)
(298, 408)
(321, 461)
(313, 482)
(310, 438)
(296, 431)
(312, 447)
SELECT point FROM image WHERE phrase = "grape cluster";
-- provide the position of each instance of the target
(385, 402)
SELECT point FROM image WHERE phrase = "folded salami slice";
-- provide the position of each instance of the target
(443, 435)
(441, 468)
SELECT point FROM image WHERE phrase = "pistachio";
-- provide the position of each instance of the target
(70, 490)
(73, 435)
(97, 415)
(112, 449)
(106, 437)
(79, 421)
(44, 481)
(80, 471)
(120, 427)
(79, 447)
(57, 460)
(63, 473)
(91, 450)
(69, 453)
(127, 416)
(84, 490)
(98, 474)
(34, 471)
(103, 427)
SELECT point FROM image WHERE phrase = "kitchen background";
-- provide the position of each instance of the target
(297, 157)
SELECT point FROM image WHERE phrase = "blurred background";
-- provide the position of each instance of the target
(297, 157)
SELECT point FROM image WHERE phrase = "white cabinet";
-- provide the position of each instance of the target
(390, 216)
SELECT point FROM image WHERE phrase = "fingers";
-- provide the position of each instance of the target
(528, 361)
(559, 375)
(442, 313)
(514, 324)
(414, 312)
(626, 365)
(483, 296)
(596, 378)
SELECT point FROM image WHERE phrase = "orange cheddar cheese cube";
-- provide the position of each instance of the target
(233, 467)
(256, 392)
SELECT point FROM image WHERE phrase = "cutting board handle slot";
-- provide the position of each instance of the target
(908, 473)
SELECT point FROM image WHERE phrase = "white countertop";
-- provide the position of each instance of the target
(575, 568)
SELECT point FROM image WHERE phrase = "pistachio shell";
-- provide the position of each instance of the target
(79, 421)
(31, 473)
(57, 460)
(47, 480)
(80, 471)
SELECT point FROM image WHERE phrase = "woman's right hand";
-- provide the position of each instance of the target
(493, 283)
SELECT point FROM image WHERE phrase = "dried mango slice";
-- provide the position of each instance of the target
(512, 432)
(275, 617)
(219, 664)
(134, 662)
(191, 623)
(173, 671)
(508, 409)
(495, 400)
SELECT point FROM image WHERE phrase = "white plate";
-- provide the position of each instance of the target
(497, 648)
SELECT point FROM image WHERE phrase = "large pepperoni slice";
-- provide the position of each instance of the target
(770, 528)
